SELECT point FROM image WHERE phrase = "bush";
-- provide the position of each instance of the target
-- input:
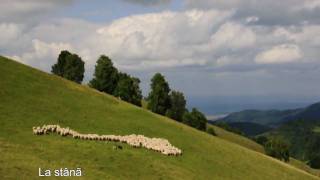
(195, 119)
(315, 161)
(261, 140)
(211, 131)
(278, 149)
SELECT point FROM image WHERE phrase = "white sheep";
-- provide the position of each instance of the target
(157, 144)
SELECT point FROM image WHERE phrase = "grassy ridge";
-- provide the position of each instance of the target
(30, 97)
(237, 139)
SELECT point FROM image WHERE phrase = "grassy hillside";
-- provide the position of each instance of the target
(298, 164)
(248, 143)
(316, 129)
(29, 98)
(237, 139)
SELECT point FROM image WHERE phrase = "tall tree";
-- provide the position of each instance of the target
(128, 89)
(69, 66)
(195, 119)
(178, 106)
(105, 75)
(159, 99)
(58, 68)
(137, 95)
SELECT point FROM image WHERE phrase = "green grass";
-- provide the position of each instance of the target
(316, 129)
(301, 165)
(237, 139)
(250, 144)
(29, 97)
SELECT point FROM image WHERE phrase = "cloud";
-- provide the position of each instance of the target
(233, 35)
(167, 40)
(252, 19)
(220, 42)
(22, 11)
(287, 12)
(209, 39)
(149, 2)
(9, 33)
(42, 54)
(284, 53)
(309, 5)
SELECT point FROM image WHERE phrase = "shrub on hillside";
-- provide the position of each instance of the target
(195, 119)
(315, 161)
(277, 148)
(261, 140)
(211, 131)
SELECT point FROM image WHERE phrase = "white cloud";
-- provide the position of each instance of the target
(173, 37)
(268, 11)
(43, 54)
(252, 19)
(233, 35)
(284, 53)
(9, 32)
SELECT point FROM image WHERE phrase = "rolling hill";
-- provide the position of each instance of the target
(29, 97)
(250, 129)
(271, 118)
(274, 118)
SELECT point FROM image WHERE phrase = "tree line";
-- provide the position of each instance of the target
(108, 79)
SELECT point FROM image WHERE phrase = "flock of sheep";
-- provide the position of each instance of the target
(157, 144)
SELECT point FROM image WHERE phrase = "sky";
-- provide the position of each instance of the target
(215, 51)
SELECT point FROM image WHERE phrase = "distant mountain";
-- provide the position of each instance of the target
(271, 118)
(248, 121)
(250, 129)
(310, 113)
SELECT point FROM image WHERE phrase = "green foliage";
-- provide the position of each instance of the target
(261, 140)
(277, 148)
(304, 142)
(211, 131)
(159, 99)
(225, 126)
(69, 66)
(128, 89)
(178, 106)
(195, 119)
(105, 76)
(315, 161)
(250, 129)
